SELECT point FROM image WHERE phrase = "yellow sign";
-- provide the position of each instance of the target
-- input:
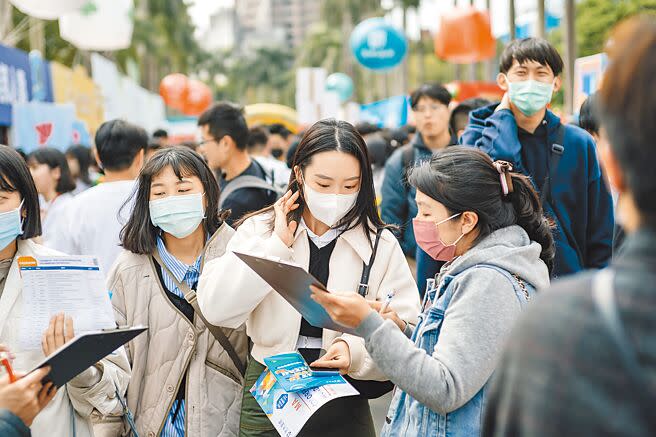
(270, 113)
(76, 86)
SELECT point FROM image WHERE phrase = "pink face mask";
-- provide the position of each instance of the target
(428, 238)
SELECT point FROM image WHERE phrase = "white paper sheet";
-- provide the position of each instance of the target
(288, 412)
(73, 285)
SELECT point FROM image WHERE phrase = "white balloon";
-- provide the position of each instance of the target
(107, 28)
(47, 9)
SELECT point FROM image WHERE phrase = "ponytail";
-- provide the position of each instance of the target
(530, 216)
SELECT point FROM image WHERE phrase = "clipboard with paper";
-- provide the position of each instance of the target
(84, 351)
(73, 285)
(292, 282)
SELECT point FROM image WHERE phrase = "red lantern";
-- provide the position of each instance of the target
(174, 89)
(199, 98)
(465, 36)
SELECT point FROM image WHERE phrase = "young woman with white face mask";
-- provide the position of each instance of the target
(67, 411)
(328, 223)
(184, 382)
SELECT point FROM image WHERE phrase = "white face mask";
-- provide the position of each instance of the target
(178, 215)
(329, 208)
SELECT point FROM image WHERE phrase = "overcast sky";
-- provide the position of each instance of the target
(428, 15)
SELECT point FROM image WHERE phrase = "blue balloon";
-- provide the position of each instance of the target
(341, 84)
(377, 45)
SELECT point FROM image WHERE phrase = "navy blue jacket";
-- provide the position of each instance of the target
(12, 426)
(398, 206)
(582, 206)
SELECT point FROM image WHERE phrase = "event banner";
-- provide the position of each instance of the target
(76, 86)
(38, 124)
(15, 81)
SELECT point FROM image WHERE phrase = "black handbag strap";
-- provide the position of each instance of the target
(603, 293)
(555, 153)
(217, 332)
(363, 288)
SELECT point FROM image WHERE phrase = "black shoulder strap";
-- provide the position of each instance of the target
(366, 270)
(217, 332)
(604, 297)
(556, 151)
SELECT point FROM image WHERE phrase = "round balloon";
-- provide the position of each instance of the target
(100, 25)
(174, 89)
(377, 45)
(341, 84)
(199, 98)
(47, 9)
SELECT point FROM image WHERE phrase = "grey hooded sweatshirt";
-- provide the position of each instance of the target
(476, 324)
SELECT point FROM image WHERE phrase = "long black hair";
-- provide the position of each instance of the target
(465, 179)
(83, 157)
(333, 135)
(139, 235)
(15, 176)
(53, 158)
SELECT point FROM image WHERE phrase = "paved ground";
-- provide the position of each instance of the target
(379, 410)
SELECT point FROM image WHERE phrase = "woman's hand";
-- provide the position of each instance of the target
(388, 314)
(282, 207)
(27, 396)
(338, 357)
(347, 310)
(55, 336)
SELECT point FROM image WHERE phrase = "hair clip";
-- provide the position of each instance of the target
(504, 168)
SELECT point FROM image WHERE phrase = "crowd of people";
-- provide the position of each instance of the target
(481, 218)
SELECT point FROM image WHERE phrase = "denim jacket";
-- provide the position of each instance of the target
(408, 417)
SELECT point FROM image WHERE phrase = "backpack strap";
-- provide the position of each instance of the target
(247, 181)
(555, 153)
(523, 290)
(603, 294)
(217, 332)
(366, 269)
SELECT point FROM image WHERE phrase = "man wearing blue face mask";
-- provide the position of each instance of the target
(560, 159)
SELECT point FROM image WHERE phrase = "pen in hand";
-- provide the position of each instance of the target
(4, 359)
(388, 300)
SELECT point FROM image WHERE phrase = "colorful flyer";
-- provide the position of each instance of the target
(293, 374)
(290, 411)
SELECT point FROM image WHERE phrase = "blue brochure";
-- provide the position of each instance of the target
(293, 374)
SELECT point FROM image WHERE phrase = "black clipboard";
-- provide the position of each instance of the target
(84, 351)
(292, 282)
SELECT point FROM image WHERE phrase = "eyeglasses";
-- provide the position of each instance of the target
(211, 140)
(429, 108)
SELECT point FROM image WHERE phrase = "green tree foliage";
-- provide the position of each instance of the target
(267, 75)
(596, 18)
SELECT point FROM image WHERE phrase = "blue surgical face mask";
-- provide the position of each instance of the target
(177, 215)
(530, 96)
(11, 226)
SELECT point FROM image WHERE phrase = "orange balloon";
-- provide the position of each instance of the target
(199, 98)
(174, 89)
(465, 36)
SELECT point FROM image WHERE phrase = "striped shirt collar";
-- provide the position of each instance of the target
(177, 267)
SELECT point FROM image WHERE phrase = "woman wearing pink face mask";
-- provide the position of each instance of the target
(487, 224)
